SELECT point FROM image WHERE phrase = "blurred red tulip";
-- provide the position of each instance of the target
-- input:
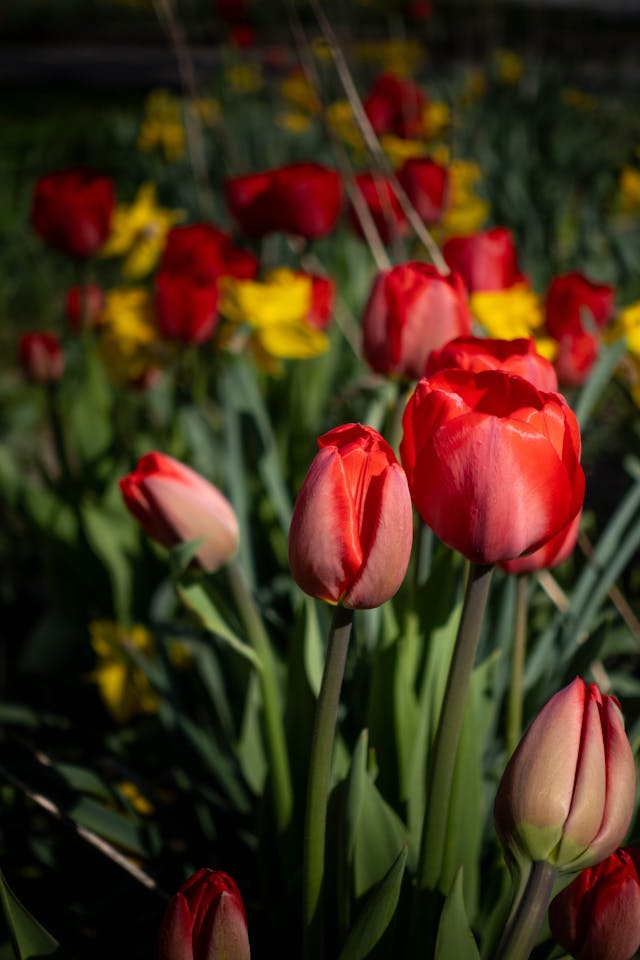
(567, 793)
(570, 297)
(71, 210)
(185, 310)
(174, 505)
(412, 309)
(322, 300)
(352, 524)
(518, 356)
(384, 207)
(492, 462)
(396, 106)
(575, 358)
(486, 261)
(426, 183)
(84, 305)
(41, 356)
(205, 920)
(205, 253)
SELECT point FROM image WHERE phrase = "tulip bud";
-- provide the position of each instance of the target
(205, 920)
(41, 357)
(567, 794)
(174, 505)
(426, 183)
(486, 260)
(569, 296)
(185, 310)
(72, 209)
(84, 306)
(352, 524)
(385, 209)
(597, 917)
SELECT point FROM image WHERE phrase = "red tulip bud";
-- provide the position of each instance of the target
(41, 357)
(573, 298)
(72, 210)
(352, 524)
(205, 920)
(486, 261)
(567, 793)
(174, 505)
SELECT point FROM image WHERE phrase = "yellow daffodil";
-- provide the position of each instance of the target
(136, 798)
(507, 314)
(627, 324)
(467, 211)
(397, 56)
(272, 314)
(299, 93)
(162, 127)
(138, 232)
(294, 121)
(547, 347)
(398, 149)
(509, 67)
(437, 118)
(580, 99)
(206, 109)
(630, 189)
(124, 687)
(474, 86)
(343, 124)
(244, 77)
(128, 335)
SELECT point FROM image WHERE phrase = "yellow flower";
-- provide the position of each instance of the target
(627, 325)
(507, 314)
(299, 93)
(343, 124)
(630, 189)
(138, 232)
(162, 128)
(294, 121)
(321, 49)
(579, 99)
(474, 86)
(135, 797)
(400, 57)
(398, 149)
(547, 347)
(467, 211)
(128, 335)
(123, 686)
(272, 314)
(206, 109)
(244, 77)
(509, 67)
(437, 117)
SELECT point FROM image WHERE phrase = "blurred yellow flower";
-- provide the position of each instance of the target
(580, 99)
(630, 189)
(627, 324)
(398, 149)
(437, 117)
(547, 347)
(206, 109)
(136, 798)
(244, 77)
(467, 211)
(321, 49)
(124, 687)
(271, 315)
(343, 124)
(397, 56)
(138, 232)
(299, 93)
(509, 67)
(294, 121)
(128, 335)
(162, 128)
(507, 314)
(473, 87)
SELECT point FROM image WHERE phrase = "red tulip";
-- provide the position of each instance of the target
(597, 917)
(322, 299)
(576, 356)
(384, 207)
(551, 554)
(396, 106)
(41, 356)
(352, 524)
(71, 210)
(570, 297)
(204, 253)
(486, 261)
(84, 306)
(426, 184)
(567, 793)
(412, 309)
(185, 310)
(492, 462)
(303, 199)
(519, 357)
(205, 920)
(174, 505)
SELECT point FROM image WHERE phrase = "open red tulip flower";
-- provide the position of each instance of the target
(352, 524)
(173, 504)
(412, 310)
(493, 464)
(205, 920)
(71, 210)
(567, 794)
(518, 356)
(486, 261)
(597, 916)
(550, 554)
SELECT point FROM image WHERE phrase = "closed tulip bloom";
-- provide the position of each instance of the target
(426, 183)
(575, 357)
(384, 207)
(412, 310)
(571, 296)
(71, 210)
(323, 292)
(205, 920)
(174, 505)
(492, 462)
(518, 357)
(352, 525)
(396, 106)
(41, 356)
(205, 253)
(84, 306)
(567, 794)
(486, 260)
(185, 310)
(597, 916)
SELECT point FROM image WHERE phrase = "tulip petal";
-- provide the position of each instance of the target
(174, 941)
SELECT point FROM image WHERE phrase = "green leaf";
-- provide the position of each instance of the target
(598, 380)
(313, 646)
(376, 913)
(181, 556)
(110, 534)
(380, 835)
(197, 600)
(355, 790)
(29, 938)
(455, 939)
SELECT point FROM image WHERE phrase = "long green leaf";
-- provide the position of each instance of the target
(455, 939)
(29, 938)
(376, 913)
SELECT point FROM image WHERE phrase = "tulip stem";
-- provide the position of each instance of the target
(530, 905)
(280, 772)
(324, 728)
(442, 762)
(514, 705)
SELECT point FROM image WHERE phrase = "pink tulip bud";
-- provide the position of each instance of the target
(41, 356)
(205, 920)
(352, 524)
(567, 794)
(174, 504)
(597, 917)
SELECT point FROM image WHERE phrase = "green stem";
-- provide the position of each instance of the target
(443, 758)
(55, 422)
(273, 719)
(514, 705)
(322, 739)
(530, 905)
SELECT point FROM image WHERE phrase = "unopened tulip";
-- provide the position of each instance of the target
(71, 210)
(205, 920)
(41, 356)
(492, 462)
(396, 106)
(204, 253)
(575, 357)
(174, 505)
(486, 260)
(519, 357)
(412, 309)
(597, 916)
(571, 296)
(426, 183)
(84, 306)
(352, 525)
(381, 199)
(567, 794)
(185, 310)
